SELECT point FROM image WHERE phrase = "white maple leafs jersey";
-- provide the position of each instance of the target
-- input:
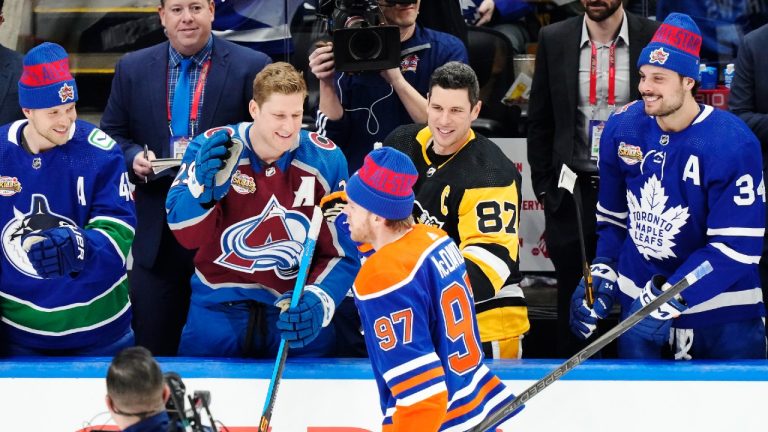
(670, 200)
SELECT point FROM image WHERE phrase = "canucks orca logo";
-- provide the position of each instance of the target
(39, 218)
(272, 240)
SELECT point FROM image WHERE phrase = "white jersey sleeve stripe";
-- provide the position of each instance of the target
(480, 254)
(736, 231)
(736, 256)
(728, 299)
(610, 221)
(616, 215)
(410, 365)
(423, 394)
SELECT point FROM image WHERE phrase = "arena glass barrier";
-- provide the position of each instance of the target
(339, 395)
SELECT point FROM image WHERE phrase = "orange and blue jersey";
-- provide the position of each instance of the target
(418, 317)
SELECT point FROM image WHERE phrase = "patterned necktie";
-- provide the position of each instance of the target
(180, 104)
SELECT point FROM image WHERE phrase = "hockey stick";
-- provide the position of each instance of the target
(298, 288)
(567, 181)
(699, 272)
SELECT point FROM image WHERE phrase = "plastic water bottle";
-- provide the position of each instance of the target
(728, 74)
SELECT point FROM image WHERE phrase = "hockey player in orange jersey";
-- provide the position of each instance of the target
(416, 308)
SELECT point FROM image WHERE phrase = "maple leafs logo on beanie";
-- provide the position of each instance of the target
(66, 92)
(659, 56)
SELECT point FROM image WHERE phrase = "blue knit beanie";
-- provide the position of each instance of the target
(46, 81)
(675, 46)
(384, 184)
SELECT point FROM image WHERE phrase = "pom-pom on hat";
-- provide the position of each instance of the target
(45, 81)
(384, 184)
(675, 46)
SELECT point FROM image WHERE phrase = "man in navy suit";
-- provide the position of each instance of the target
(749, 101)
(10, 72)
(148, 120)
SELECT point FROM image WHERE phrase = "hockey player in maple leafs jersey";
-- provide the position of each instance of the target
(250, 237)
(680, 185)
(416, 307)
(67, 222)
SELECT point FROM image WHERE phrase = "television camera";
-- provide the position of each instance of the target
(361, 39)
(183, 418)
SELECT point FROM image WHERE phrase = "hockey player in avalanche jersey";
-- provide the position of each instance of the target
(680, 183)
(415, 302)
(67, 223)
(244, 197)
(470, 189)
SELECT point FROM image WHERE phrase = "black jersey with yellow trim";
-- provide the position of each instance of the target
(474, 196)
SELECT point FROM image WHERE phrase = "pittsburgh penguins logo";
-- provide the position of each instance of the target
(39, 218)
(270, 241)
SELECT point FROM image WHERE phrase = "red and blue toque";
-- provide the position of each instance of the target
(675, 46)
(46, 81)
(384, 184)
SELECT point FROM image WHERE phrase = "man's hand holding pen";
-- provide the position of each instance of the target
(141, 163)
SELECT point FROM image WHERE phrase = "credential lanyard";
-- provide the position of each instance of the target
(195, 99)
(611, 75)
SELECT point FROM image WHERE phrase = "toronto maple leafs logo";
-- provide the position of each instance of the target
(659, 56)
(653, 225)
(40, 217)
(270, 241)
(66, 93)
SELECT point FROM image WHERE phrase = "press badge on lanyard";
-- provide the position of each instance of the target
(178, 144)
(596, 126)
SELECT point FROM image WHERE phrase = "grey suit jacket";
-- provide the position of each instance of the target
(10, 72)
(554, 98)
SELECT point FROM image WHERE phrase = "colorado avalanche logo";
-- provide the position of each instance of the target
(659, 56)
(409, 63)
(39, 218)
(67, 93)
(270, 241)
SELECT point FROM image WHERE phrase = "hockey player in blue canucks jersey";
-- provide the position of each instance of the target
(67, 222)
(680, 183)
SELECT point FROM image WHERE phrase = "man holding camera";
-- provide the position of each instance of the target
(359, 109)
(137, 392)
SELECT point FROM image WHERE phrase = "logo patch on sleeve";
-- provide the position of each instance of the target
(99, 138)
(242, 183)
(630, 154)
(9, 186)
(321, 141)
(211, 131)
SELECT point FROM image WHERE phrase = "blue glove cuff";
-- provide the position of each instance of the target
(329, 306)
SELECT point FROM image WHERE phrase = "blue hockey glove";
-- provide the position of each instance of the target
(215, 163)
(301, 325)
(56, 252)
(656, 326)
(583, 319)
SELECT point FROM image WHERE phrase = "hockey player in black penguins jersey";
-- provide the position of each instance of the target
(470, 189)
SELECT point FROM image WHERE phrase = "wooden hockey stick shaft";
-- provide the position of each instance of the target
(702, 270)
(298, 288)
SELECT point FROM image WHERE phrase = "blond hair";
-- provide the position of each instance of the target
(281, 78)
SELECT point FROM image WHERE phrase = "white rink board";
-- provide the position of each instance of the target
(697, 402)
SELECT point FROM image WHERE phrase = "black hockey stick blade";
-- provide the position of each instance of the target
(699, 272)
